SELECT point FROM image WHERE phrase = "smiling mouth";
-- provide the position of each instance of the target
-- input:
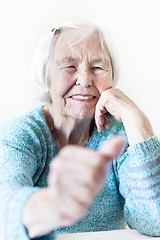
(87, 98)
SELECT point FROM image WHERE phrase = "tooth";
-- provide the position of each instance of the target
(82, 97)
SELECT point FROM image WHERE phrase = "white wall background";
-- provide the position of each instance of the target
(132, 28)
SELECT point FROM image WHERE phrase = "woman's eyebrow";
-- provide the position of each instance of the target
(97, 60)
(100, 61)
(67, 60)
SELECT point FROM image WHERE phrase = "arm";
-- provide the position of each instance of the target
(138, 169)
(18, 165)
(27, 211)
(139, 183)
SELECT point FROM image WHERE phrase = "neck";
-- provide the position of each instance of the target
(68, 130)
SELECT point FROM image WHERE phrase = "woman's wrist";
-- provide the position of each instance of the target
(137, 125)
(35, 212)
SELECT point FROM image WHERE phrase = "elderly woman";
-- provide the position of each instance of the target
(48, 187)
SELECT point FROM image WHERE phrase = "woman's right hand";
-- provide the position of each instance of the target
(76, 175)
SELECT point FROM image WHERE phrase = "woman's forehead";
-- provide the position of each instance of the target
(68, 48)
(69, 38)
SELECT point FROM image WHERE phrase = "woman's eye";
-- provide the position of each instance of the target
(97, 69)
(71, 69)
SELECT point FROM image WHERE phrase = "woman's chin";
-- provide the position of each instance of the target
(80, 115)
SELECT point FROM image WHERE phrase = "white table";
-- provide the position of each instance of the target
(108, 235)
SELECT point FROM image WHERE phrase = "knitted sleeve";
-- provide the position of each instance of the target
(20, 152)
(139, 183)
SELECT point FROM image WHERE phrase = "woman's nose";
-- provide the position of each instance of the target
(84, 78)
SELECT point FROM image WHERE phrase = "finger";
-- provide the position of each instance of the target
(80, 154)
(99, 120)
(72, 170)
(79, 192)
(112, 148)
(106, 124)
(54, 185)
(100, 116)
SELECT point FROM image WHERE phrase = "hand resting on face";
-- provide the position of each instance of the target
(122, 108)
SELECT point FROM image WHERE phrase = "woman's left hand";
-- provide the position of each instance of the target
(122, 108)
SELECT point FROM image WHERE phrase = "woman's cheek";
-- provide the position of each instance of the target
(65, 83)
(103, 83)
(67, 79)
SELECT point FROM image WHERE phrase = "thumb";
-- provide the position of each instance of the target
(112, 148)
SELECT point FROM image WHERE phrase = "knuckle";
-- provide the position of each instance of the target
(110, 93)
(97, 174)
(65, 150)
(104, 94)
(93, 175)
(88, 196)
(98, 160)
(77, 210)
(69, 151)
(56, 165)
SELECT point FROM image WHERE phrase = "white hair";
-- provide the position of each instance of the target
(45, 50)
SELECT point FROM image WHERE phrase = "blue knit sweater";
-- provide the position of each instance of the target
(131, 194)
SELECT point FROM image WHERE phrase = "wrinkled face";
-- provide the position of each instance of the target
(78, 74)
